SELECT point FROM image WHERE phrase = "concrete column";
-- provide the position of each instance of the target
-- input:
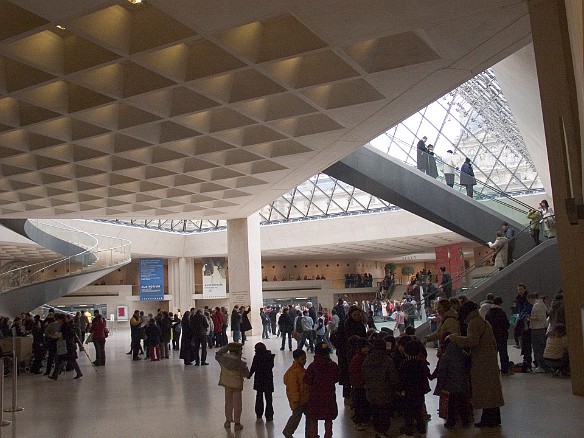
(245, 270)
(181, 283)
(554, 49)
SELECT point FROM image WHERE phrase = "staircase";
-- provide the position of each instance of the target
(85, 257)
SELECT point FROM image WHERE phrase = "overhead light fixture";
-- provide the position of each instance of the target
(135, 2)
(60, 27)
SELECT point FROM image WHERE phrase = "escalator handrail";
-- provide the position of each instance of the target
(479, 263)
(499, 192)
(443, 163)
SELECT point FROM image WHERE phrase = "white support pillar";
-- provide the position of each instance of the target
(181, 283)
(245, 270)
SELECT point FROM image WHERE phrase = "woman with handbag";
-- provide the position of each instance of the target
(99, 333)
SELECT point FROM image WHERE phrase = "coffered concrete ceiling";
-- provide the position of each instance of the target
(212, 109)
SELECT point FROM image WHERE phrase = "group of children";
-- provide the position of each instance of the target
(310, 392)
(388, 378)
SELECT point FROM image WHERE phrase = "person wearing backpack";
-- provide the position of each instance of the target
(298, 329)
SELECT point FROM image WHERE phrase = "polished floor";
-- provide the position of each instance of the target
(153, 399)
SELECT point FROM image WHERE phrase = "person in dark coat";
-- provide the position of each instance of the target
(321, 377)
(153, 333)
(176, 328)
(355, 323)
(341, 343)
(199, 326)
(262, 366)
(432, 169)
(500, 325)
(467, 177)
(453, 373)
(166, 334)
(69, 357)
(38, 346)
(519, 306)
(340, 309)
(273, 314)
(186, 339)
(360, 403)
(136, 334)
(381, 382)
(236, 324)
(422, 157)
(245, 323)
(286, 324)
(414, 385)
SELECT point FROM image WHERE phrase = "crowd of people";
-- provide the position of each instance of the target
(298, 278)
(358, 280)
(384, 374)
(57, 338)
(381, 377)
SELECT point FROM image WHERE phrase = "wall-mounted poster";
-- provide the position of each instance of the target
(214, 278)
(122, 313)
(151, 279)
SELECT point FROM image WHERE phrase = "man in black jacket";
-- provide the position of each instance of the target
(272, 314)
(340, 308)
(500, 324)
(286, 324)
(199, 325)
(446, 283)
(236, 324)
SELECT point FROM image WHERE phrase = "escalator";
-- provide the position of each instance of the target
(477, 218)
(538, 269)
(84, 258)
(398, 183)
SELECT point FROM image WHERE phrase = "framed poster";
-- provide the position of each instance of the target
(151, 279)
(122, 313)
(214, 278)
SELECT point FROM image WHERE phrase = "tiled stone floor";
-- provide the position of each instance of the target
(154, 399)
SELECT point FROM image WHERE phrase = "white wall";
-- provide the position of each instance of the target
(518, 79)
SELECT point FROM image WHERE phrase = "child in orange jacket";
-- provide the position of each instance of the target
(297, 392)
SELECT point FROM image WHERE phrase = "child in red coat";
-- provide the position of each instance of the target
(321, 377)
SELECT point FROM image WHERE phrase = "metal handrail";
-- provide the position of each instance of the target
(83, 261)
(480, 263)
(514, 203)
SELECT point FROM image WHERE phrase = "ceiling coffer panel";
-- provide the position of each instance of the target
(110, 100)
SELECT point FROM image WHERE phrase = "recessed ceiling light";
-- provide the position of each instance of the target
(60, 27)
(135, 2)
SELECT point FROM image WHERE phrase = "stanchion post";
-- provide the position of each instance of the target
(3, 422)
(15, 407)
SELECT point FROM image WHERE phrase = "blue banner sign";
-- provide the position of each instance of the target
(151, 279)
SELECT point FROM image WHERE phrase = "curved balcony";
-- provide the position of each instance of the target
(80, 258)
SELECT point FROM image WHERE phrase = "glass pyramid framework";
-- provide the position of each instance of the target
(473, 120)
